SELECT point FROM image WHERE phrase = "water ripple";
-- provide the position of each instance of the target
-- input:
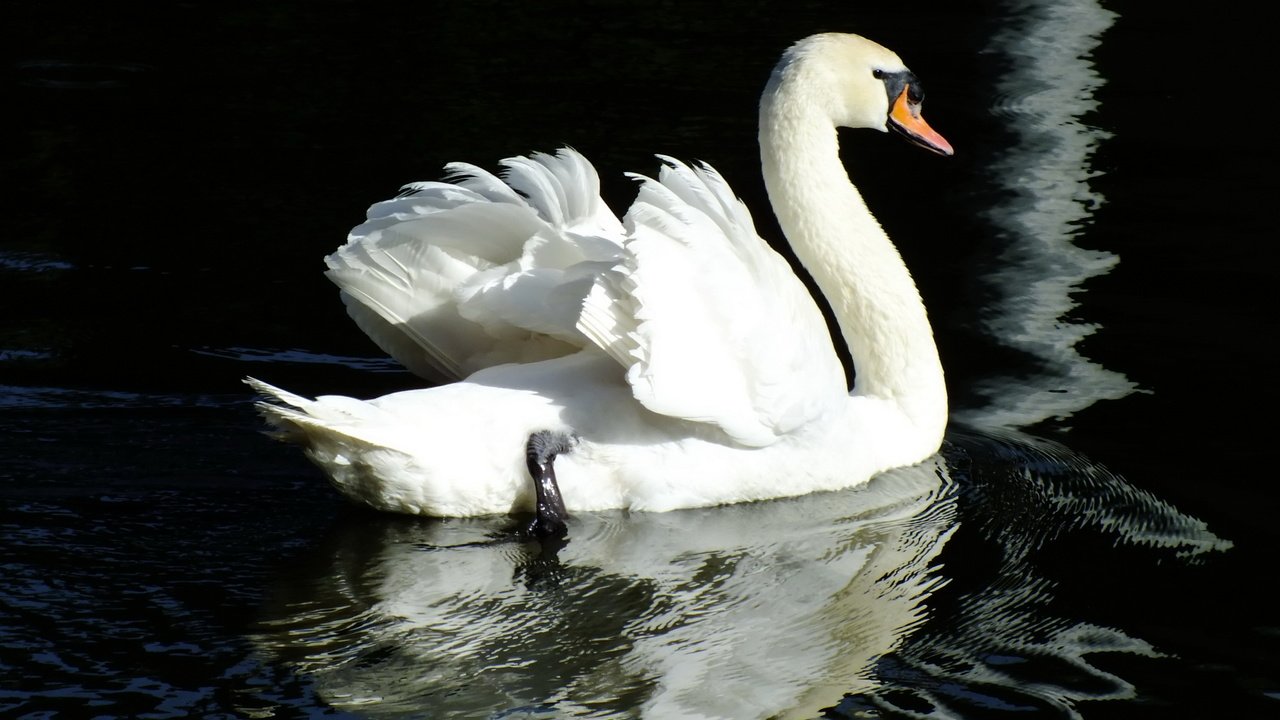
(61, 74)
(298, 355)
(1003, 648)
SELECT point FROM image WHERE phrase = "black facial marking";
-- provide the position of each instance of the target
(894, 82)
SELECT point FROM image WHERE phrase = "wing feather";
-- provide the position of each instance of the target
(710, 322)
(450, 277)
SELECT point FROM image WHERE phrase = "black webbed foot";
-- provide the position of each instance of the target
(540, 454)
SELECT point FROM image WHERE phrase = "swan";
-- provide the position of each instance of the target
(670, 359)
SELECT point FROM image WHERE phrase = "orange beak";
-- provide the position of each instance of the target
(904, 117)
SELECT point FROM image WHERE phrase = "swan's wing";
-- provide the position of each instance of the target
(711, 323)
(451, 277)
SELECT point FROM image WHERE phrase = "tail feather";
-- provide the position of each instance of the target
(293, 418)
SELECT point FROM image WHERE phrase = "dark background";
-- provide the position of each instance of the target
(174, 174)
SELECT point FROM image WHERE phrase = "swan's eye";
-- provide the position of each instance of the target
(877, 74)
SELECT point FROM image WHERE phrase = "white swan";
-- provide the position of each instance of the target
(670, 360)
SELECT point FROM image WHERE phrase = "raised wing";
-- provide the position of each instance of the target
(710, 322)
(452, 277)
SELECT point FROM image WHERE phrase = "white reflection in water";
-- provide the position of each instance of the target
(776, 609)
(1005, 645)
(771, 609)
(1048, 89)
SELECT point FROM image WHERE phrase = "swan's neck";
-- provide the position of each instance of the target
(850, 257)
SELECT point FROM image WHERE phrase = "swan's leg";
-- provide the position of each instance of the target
(540, 454)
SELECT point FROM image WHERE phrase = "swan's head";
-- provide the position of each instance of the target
(857, 83)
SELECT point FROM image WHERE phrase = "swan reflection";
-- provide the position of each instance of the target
(776, 609)
(1044, 175)
(761, 610)
(1040, 523)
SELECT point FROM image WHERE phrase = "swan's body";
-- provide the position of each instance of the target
(677, 354)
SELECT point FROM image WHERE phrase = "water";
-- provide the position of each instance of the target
(1094, 540)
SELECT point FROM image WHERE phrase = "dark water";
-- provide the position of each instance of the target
(1096, 539)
